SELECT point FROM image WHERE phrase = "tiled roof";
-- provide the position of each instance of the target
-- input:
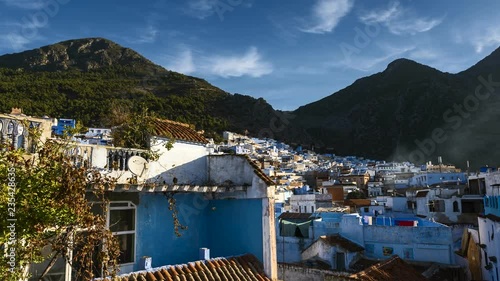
(242, 268)
(337, 240)
(258, 171)
(177, 130)
(393, 269)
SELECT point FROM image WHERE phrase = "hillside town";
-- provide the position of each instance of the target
(261, 209)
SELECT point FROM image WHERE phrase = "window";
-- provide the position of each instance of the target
(455, 207)
(121, 221)
(436, 206)
(312, 209)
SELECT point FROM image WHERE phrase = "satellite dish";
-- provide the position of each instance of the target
(137, 165)
(90, 176)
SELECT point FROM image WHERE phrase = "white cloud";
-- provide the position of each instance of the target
(327, 14)
(183, 63)
(147, 35)
(14, 41)
(201, 8)
(249, 64)
(425, 54)
(413, 26)
(16, 36)
(25, 4)
(490, 38)
(400, 21)
(382, 15)
(368, 64)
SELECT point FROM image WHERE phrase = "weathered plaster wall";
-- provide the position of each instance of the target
(489, 235)
(226, 227)
(352, 228)
(185, 161)
(230, 169)
(413, 243)
(155, 229)
(289, 249)
(233, 170)
(319, 250)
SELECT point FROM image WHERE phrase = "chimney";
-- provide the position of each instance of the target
(204, 253)
(16, 111)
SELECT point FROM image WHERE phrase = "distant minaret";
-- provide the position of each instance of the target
(440, 162)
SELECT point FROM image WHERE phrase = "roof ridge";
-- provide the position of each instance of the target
(175, 122)
(210, 266)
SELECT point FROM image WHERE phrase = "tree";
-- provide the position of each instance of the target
(137, 130)
(44, 198)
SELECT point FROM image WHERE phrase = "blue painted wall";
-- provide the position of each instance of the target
(492, 205)
(436, 177)
(226, 227)
(235, 227)
(155, 230)
(62, 124)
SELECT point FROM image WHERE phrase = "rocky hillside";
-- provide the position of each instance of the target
(88, 78)
(414, 112)
(83, 54)
(409, 111)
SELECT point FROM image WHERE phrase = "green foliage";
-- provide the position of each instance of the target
(136, 130)
(90, 96)
(45, 197)
(85, 78)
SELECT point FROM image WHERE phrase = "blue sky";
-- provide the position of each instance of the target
(289, 52)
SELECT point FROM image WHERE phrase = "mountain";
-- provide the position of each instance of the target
(409, 111)
(89, 79)
(394, 114)
(82, 54)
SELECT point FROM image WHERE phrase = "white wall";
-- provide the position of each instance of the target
(427, 243)
(298, 202)
(185, 161)
(352, 228)
(234, 170)
(489, 234)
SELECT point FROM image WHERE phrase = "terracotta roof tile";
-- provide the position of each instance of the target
(177, 130)
(258, 171)
(241, 268)
(393, 269)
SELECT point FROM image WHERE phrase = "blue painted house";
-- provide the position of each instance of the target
(62, 126)
(224, 203)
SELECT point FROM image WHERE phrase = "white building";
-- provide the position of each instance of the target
(309, 203)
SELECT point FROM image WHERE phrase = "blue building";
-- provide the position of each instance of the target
(224, 203)
(62, 126)
(436, 178)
